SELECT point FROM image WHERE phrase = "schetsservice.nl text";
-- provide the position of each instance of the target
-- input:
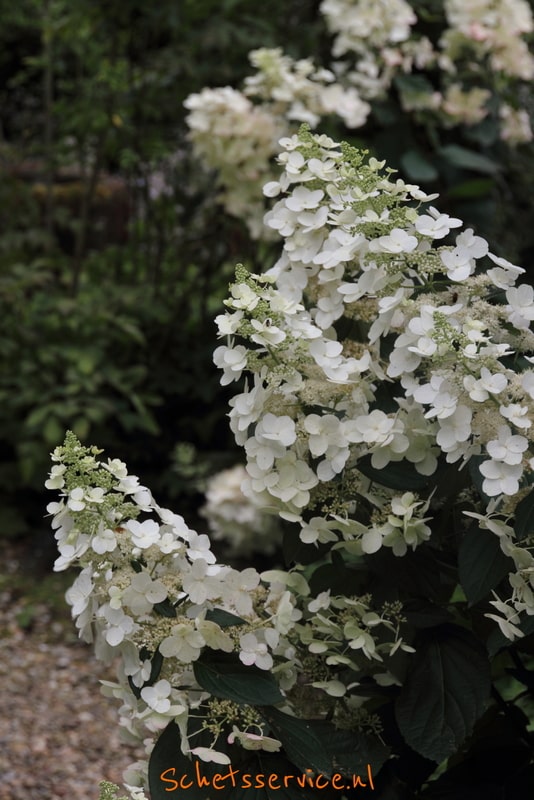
(174, 781)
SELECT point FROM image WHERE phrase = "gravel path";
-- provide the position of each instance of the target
(58, 735)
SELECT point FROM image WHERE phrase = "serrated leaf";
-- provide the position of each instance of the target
(224, 676)
(317, 745)
(446, 692)
(302, 743)
(481, 564)
(524, 517)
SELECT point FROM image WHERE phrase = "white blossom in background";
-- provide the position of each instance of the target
(237, 132)
(495, 28)
(372, 33)
(238, 521)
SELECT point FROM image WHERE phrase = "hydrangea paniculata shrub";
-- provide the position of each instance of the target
(386, 417)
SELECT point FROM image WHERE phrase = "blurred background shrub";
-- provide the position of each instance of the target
(114, 253)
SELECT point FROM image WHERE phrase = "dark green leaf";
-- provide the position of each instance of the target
(445, 693)
(168, 766)
(422, 614)
(262, 767)
(355, 753)
(420, 573)
(468, 159)
(247, 778)
(476, 476)
(524, 517)
(165, 609)
(418, 168)
(498, 641)
(481, 564)
(136, 691)
(157, 663)
(224, 676)
(413, 84)
(347, 580)
(478, 187)
(296, 551)
(317, 745)
(302, 744)
(400, 475)
(223, 618)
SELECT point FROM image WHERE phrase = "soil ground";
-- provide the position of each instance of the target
(58, 734)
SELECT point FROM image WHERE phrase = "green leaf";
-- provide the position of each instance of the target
(155, 668)
(478, 187)
(168, 766)
(481, 564)
(247, 778)
(259, 767)
(413, 84)
(446, 692)
(318, 746)
(226, 677)
(476, 476)
(421, 573)
(81, 427)
(498, 641)
(422, 614)
(223, 618)
(53, 431)
(400, 475)
(165, 609)
(346, 581)
(468, 159)
(418, 168)
(302, 743)
(524, 517)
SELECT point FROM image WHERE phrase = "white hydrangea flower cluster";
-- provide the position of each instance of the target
(383, 40)
(237, 521)
(493, 28)
(301, 92)
(151, 596)
(379, 37)
(239, 137)
(239, 140)
(361, 26)
(372, 342)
